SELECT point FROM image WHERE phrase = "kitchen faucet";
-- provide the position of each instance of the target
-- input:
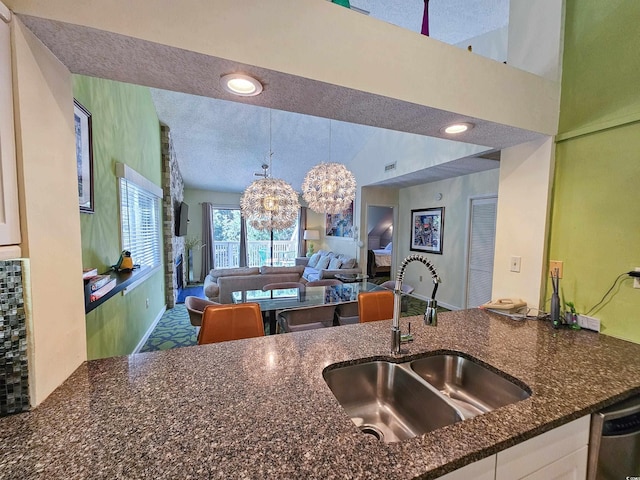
(430, 314)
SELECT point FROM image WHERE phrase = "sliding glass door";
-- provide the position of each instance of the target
(261, 249)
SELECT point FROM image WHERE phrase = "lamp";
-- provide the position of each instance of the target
(329, 187)
(311, 235)
(269, 203)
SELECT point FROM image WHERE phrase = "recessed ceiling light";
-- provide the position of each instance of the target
(457, 128)
(240, 84)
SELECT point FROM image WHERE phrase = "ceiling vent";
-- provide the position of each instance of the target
(391, 166)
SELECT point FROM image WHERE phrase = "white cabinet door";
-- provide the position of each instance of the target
(484, 469)
(532, 455)
(571, 467)
(9, 220)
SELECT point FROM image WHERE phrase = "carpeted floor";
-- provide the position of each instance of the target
(174, 329)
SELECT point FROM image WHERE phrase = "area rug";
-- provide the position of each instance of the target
(172, 331)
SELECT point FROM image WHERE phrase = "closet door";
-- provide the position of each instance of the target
(481, 246)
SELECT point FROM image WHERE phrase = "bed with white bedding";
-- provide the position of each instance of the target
(379, 260)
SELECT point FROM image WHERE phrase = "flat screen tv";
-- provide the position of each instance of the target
(182, 220)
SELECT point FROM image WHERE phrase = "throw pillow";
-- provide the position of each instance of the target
(335, 263)
(313, 261)
(323, 262)
(349, 263)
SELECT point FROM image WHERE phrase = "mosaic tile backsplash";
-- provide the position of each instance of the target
(14, 378)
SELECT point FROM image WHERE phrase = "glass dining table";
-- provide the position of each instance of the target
(291, 298)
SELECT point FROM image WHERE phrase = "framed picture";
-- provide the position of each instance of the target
(84, 156)
(427, 226)
(340, 224)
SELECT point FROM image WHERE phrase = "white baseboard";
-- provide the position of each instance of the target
(440, 304)
(147, 334)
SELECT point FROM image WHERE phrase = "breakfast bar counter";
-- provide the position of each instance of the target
(260, 408)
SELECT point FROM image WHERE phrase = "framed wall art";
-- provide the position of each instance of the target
(427, 226)
(340, 224)
(84, 156)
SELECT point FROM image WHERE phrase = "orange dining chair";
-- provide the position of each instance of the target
(373, 306)
(221, 323)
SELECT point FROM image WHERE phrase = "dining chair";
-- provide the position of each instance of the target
(221, 323)
(326, 282)
(347, 313)
(195, 307)
(406, 290)
(307, 318)
(373, 306)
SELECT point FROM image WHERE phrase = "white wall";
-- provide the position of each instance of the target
(491, 44)
(451, 265)
(536, 31)
(526, 173)
(50, 229)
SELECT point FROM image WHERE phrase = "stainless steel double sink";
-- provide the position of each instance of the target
(396, 401)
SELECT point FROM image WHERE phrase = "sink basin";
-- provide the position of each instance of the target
(473, 388)
(387, 401)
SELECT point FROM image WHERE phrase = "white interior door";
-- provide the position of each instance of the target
(482, 240)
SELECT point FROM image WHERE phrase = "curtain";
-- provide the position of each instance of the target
(302, 226)
(243, 243)
(208, 247)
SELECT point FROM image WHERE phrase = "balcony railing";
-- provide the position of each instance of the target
(227, 254)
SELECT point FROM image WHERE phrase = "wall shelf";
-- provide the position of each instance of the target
(123, 280)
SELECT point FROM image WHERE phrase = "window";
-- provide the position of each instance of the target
(140, 217)
(260, 249)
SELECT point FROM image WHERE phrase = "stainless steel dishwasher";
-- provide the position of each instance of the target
(614, 444)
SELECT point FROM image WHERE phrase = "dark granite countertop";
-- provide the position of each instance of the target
(260, 408)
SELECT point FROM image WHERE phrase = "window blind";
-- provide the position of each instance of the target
(140, 222)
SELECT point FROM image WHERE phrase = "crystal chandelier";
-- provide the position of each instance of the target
(329, 187)
(269, 203)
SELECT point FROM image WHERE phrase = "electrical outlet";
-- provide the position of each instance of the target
(515, 264)
(636, 281)
(147, 303)
(555, 264)
(420, 277)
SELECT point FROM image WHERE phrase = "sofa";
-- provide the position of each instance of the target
(220, 283)
(325, 264)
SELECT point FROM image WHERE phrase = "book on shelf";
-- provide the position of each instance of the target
(102, 291)
(97, 282)
(89, 273)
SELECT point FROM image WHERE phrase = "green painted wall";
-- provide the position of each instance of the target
(125, 129)
(595, 222)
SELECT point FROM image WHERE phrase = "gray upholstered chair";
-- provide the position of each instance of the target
(307, 318)
(406, 290)
(326, 282)
(347, 313)
(195, 307)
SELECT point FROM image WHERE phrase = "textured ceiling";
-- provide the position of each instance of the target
(221, 140)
